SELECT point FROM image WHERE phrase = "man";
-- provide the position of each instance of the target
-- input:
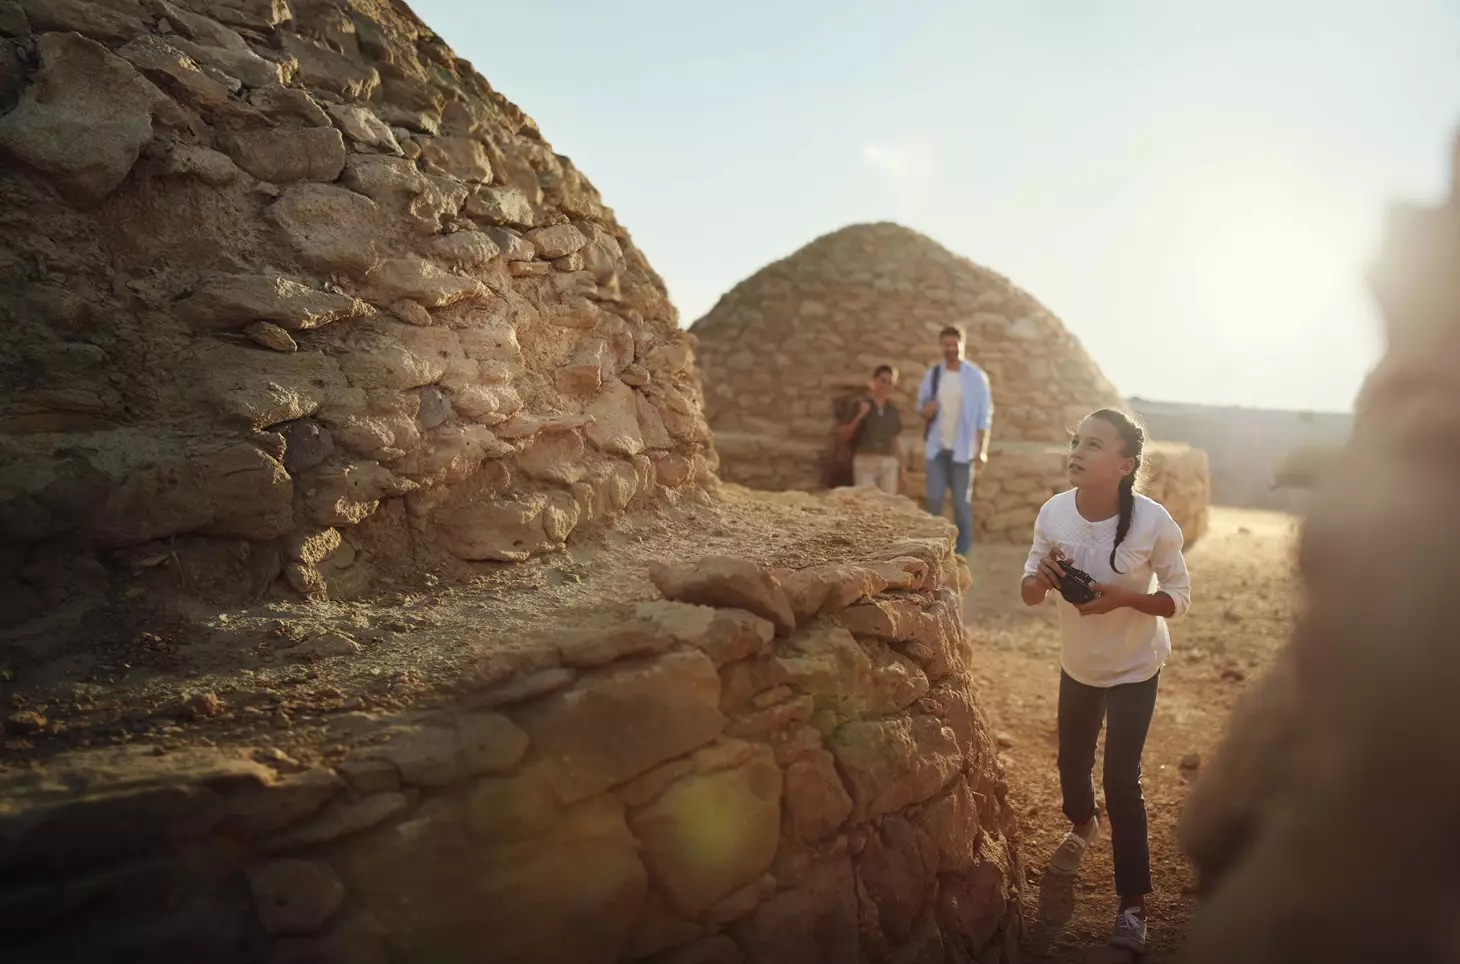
(875, 435)
(958, 409)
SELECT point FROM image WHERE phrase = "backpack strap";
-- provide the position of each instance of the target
(928, 423)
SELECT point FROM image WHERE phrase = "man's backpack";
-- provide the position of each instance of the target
(932, 397)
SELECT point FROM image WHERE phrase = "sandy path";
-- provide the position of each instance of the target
(1243, 603)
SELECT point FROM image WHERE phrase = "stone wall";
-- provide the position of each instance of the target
(766, 766)
(781, 349)
(289, 295)
(1178, 477)
(1260, 458)
(1007, 492)
(1020, 478)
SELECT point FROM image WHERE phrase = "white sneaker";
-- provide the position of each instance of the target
(1067, 856)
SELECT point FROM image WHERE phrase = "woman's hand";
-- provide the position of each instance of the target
(930, 408)
(1110, 599)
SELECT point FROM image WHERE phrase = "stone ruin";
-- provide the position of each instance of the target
(297, 308)
(1324, 829)
(324, 380)
(783, 348)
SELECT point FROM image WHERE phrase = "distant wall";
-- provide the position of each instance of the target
(1249, 448)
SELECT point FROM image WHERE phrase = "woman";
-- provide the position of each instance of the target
(1113, 647)
(875, 435)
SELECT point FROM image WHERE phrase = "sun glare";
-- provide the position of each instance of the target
(1263, 274)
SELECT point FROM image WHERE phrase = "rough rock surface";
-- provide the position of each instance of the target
(1309, 784)
(782, 351)
(308, 214)
(668, 781)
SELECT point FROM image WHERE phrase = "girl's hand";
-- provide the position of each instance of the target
(1110, 599)
(1049, 570)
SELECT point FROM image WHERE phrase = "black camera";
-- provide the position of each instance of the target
(1075, 585)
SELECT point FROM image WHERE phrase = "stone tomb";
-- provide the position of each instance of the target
(782, 349)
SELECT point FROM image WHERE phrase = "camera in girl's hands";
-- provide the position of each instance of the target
(1075, 585)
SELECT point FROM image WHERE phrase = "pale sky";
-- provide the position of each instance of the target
(1194, 188)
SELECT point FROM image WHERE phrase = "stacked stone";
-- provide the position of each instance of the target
(767, 766)
(1009, 491)
(782, 347)
(1179, 477)
(290, 289)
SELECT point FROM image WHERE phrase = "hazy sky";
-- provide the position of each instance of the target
(1195, 189)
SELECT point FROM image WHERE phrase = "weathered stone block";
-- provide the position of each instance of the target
(504, 809)
(814, 921)
(898, 870)
(490, 743)
(615, 426)
(339, 820)
(816, 801)
(557, 241)
(282, 156)
(891, 764)
(972, 906)
(295, 896)
(710, 833)
(621, 721)
(330, 228)
(84, 95)
(725, 635)
(725, 581)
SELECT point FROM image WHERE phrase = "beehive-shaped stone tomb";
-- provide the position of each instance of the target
(783, 347)
(306, 304)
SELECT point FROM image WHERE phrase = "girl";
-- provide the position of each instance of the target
(1112, 647)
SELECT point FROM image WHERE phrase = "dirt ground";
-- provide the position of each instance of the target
(1243, 602)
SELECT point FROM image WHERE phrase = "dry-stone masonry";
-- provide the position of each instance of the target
(290, 296)
(767, 766)
(783, 348)
(1020, 476)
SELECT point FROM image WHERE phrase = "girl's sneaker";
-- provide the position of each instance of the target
(1130, 931)
(1067, 856)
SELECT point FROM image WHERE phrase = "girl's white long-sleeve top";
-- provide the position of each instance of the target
(1123, 646)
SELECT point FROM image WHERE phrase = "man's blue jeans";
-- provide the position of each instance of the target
(945, 475)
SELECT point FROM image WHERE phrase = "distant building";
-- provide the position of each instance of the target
(1260, 458)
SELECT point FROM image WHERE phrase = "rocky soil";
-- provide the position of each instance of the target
(1243, 605)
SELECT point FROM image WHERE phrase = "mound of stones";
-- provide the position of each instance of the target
(290, 297)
